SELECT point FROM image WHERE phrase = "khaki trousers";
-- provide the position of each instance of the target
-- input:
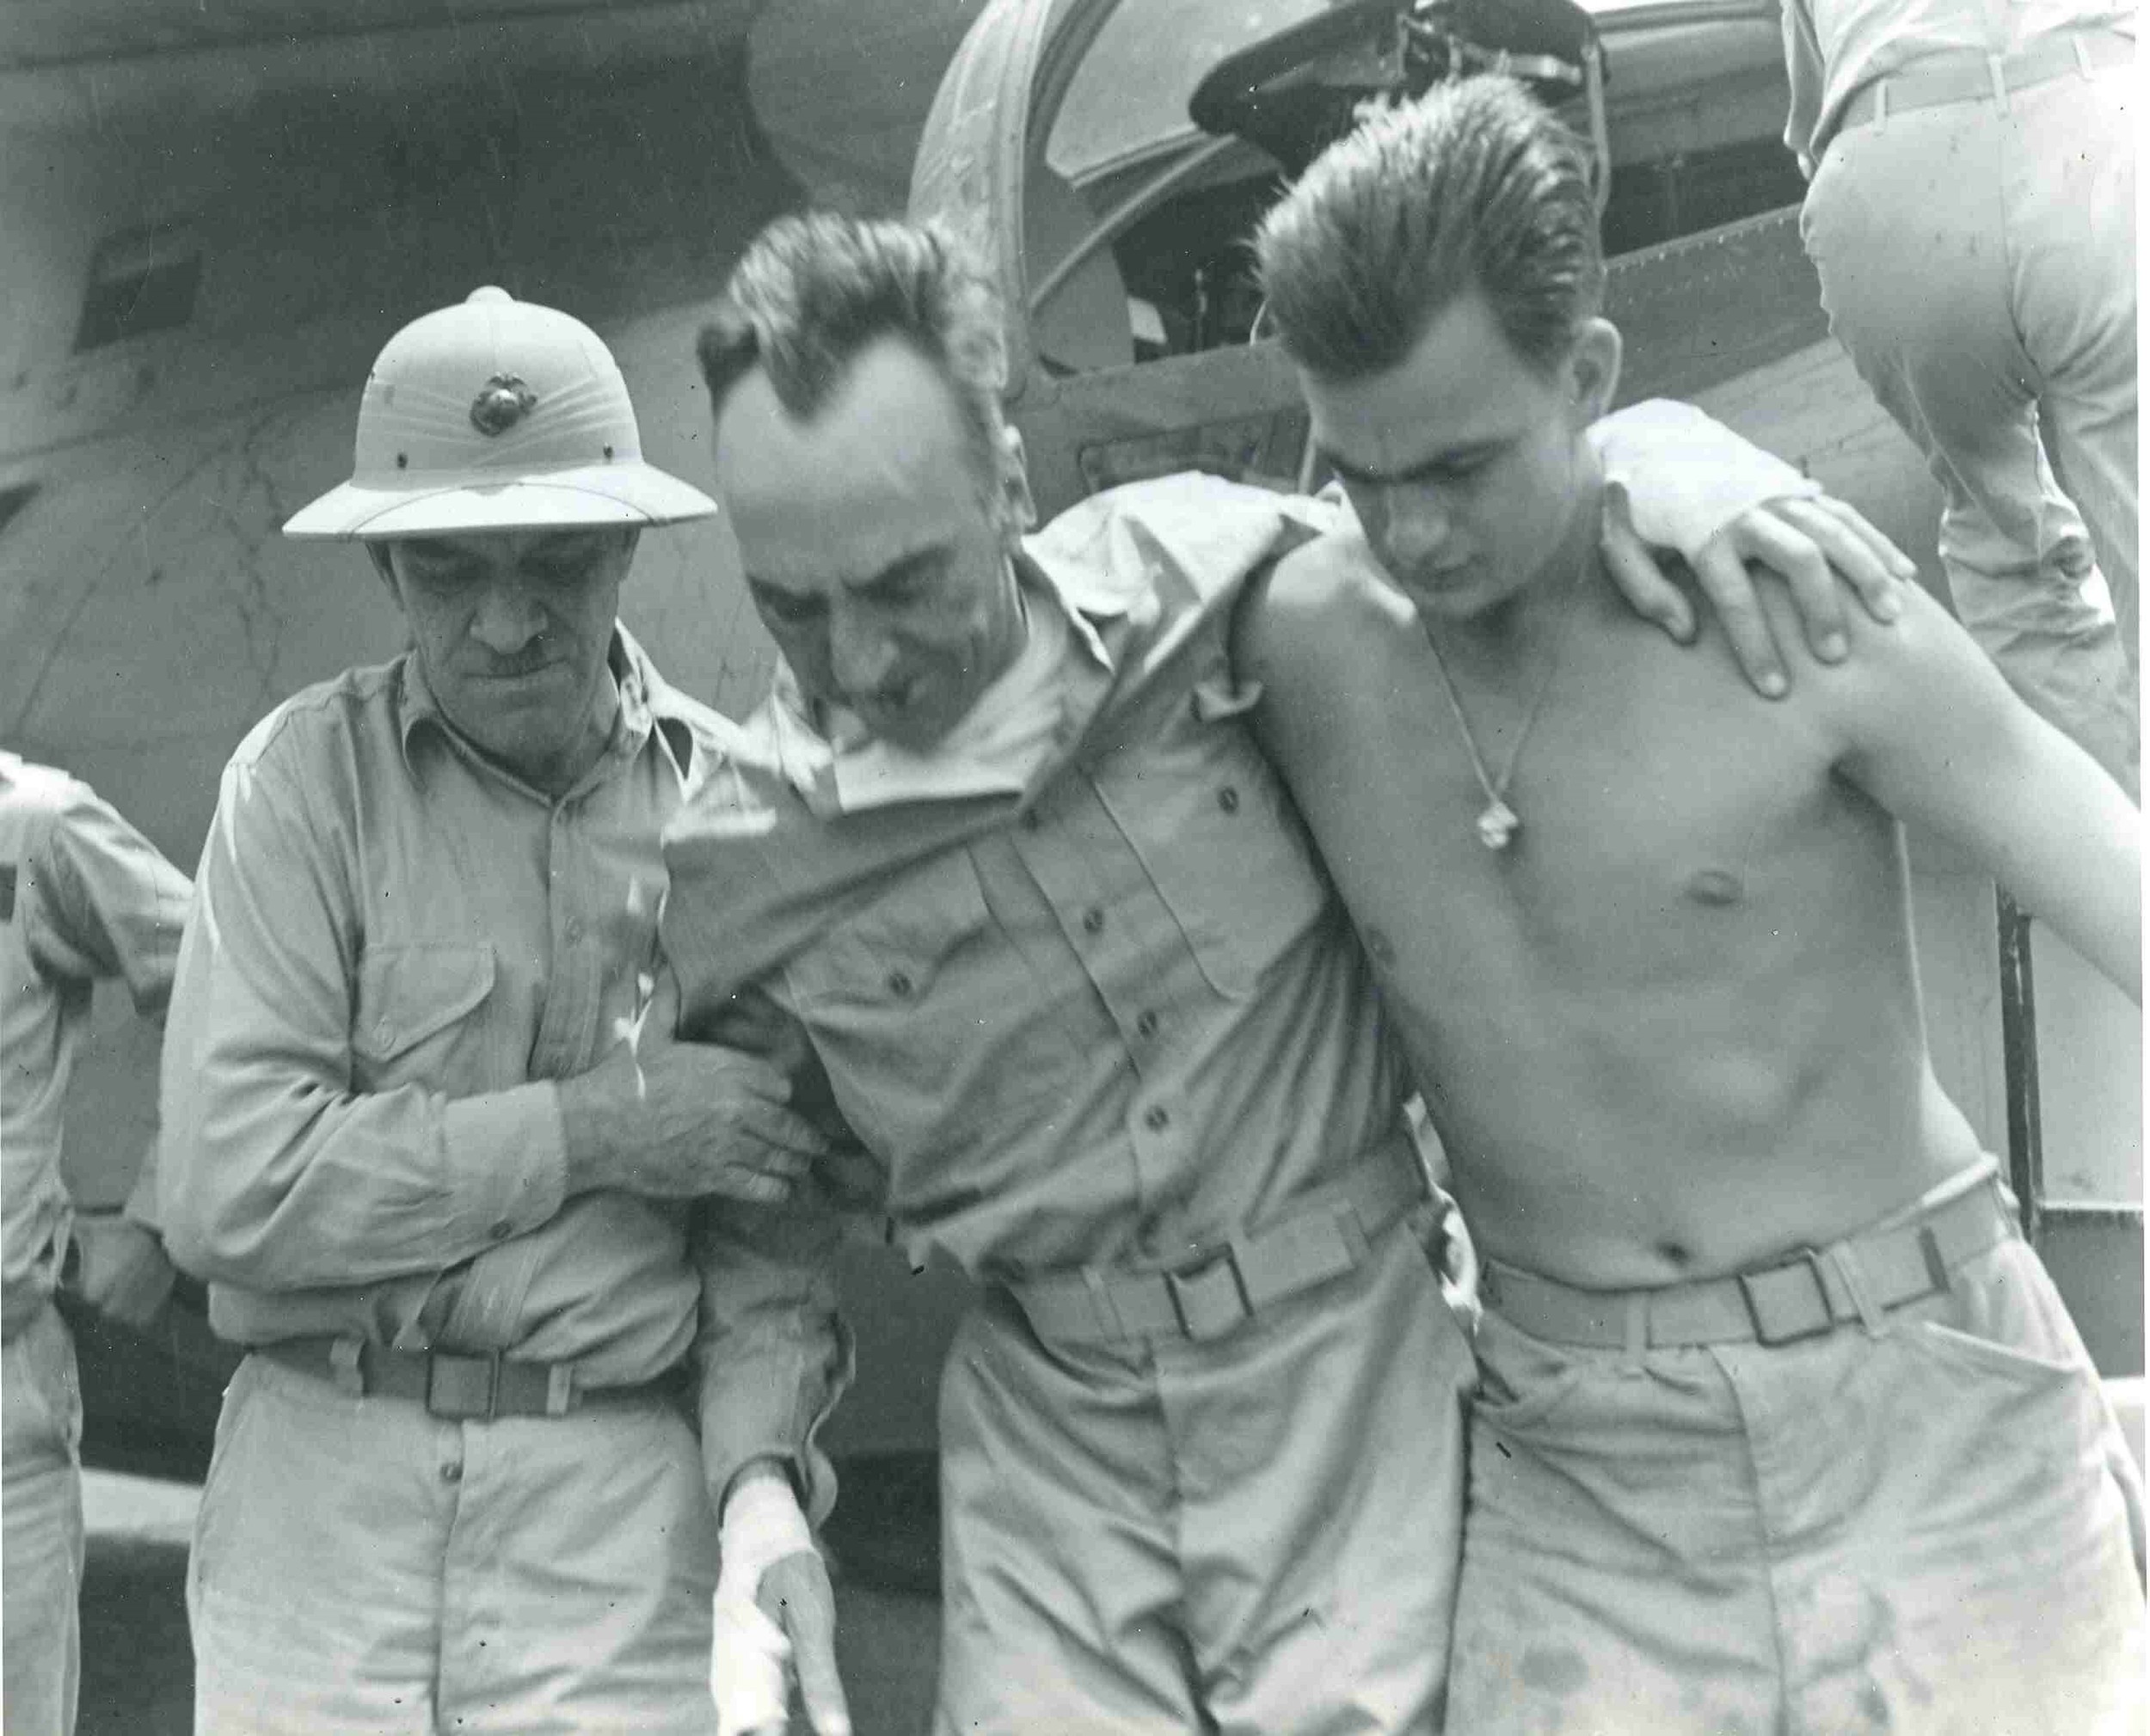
(40, 1420)
(1978, 263)
(1919, 1529)
(360, 1566)
(1256, 1534)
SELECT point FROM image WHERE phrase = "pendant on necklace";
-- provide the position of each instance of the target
(1497, 824)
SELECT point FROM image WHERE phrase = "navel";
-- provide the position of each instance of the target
(1715, 885)
(1676, 1254)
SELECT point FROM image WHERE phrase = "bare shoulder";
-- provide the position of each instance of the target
(1323, 603)
(1921, 672)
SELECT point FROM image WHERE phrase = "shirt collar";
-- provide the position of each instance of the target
(805, 755)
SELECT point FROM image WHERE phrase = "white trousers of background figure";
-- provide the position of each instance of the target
(1978, 263)
(42, 1501)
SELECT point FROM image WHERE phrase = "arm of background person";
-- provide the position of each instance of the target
(275, 1172)
(1677, 479)
(1932, 732)
(112, 907)
(1806, 71)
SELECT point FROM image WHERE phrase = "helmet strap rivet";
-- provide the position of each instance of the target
(608, 454)
(402, 461)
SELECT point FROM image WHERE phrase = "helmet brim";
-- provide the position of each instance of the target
(632, 494)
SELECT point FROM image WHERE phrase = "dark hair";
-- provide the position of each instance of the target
(1473, 186)
(814, 291)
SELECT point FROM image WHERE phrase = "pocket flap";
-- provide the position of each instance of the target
(406, 993)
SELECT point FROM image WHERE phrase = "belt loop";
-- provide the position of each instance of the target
(1635, 1324)
(1102, 1305)
(560, 1389)
(1880, 104)
(1993, 70)
(2082, 56)
(343, 1367)
(1842, 1256)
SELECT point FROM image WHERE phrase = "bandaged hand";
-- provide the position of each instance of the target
(774, 1616)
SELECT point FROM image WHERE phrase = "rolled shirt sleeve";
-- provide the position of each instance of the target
(1687, 476)
(276, 1173)
(773, 1355)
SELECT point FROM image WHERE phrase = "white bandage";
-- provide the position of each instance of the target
(1698, 475)
(748, 1652)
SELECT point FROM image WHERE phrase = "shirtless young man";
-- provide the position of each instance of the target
(1781, 1424)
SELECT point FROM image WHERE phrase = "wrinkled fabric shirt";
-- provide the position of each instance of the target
(1832, 48)
(83, 895)
(395, 948)
(1106, 1022)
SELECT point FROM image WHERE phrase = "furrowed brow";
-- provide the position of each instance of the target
(899, 571)
(1447, 459)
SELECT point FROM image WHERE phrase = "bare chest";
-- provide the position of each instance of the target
(1655, 812)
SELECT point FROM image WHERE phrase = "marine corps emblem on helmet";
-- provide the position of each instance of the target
(502, 402)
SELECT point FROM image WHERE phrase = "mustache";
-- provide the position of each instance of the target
(526, 662)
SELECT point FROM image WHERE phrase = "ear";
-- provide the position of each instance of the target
(1594, 370)
(1020, 511)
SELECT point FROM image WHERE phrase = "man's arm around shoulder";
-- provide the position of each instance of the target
(1297, 628)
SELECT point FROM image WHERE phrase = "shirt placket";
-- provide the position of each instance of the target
(1136, 957)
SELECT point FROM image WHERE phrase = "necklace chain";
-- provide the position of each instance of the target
(1498, 823)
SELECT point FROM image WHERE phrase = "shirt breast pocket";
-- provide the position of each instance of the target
(905, 996)
(1218, 837)
(413, 1022)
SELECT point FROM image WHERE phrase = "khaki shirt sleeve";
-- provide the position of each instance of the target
(1687, 475)
(275, 1173)
(773, 1355)
(1806, 71)
(111, 906)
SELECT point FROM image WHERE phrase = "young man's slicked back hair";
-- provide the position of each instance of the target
(814, 291)
(1473, 186)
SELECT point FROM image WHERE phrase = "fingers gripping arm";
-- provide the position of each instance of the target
(1676, 479)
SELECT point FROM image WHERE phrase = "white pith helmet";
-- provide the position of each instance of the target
(496, 414)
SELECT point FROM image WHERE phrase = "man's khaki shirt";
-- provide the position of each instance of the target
(83, 895)
(1106, 1022)
(395, 948)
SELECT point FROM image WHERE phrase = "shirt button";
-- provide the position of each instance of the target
(452, 1474)
(1146, 1025)
(501, 1230)
(899, 984)
(1228, 799)
(1157, 1119)
(1093, 920)
(574, 932)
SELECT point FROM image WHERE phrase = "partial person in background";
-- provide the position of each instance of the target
(1972, 216)
(83, 896)
(439, 1190)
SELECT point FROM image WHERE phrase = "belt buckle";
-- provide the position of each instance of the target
(1194, 1292)
(1811, 1259)
(461, 1388)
